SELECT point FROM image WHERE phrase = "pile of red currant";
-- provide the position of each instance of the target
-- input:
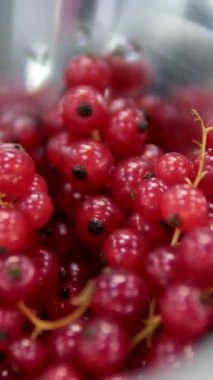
(106, 226)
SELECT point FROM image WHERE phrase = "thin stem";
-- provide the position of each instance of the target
(152, 325)
(82, 301)
(175, 236)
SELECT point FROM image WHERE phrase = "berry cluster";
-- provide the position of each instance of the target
(120, 276)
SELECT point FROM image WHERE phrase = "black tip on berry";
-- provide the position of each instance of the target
(79, 172)
(3, 250)
(149, 175)
(96, 227)
(142, 126)
(205, 299)
(65, 292)
(85, 110)
(174, 221)
(3, 337)
(15, 272)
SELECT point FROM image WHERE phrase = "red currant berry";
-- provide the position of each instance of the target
(184, 206)
(186, 311)
(96, 218)
(102, 347)
(38, 184)
(18, 278)
(57, 146)
(14, 230)
(125, 249)
(52, 122)
(206, 183)
(148, 196)
(160, 268)
(195, 256)
(83, 109)
(88, 70)
(63, 342)
(11, 325)
(17, 171)
(60, 372)
(126, 132)
(37, 208)
(87, 165)
(152, 153)
(27, 356)
(121, 295)
(172, 168)
(125, 179)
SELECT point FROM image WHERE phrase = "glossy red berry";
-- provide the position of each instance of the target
(172, 168)
(206, 184)
(17, 172)
(38, 184)
(37, 208)
(18, 278)
(52, 122)
(125, 249)
(14, 230)
(63, 342)
(126, 177)
(83, 109)
(184, 206)
(11, 325)
(87, 165)
(152, 153)
(148, 197)
(60, 371)
(121, 295)
(96, 218)
(28, 356)
(160, 268)
(102, 347)
(88, 70)
(57, 145)
(126, 132)
(186, 311)
(195, 256)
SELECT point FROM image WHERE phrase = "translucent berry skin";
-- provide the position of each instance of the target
(47, 266)
(63, 342)
(88, 70)
(52, 122)
(38, 184)
(28, 356)
(102, 347)
(14, 229)
(172, 168)
(96, 218)
(129, 77)
(184, 206)
(155, 233)
(125, 249)
(152, 153)
(37, 207)
(126, 132)
(186, 312)
(206, 184)
(83, 109)
(160, 268)
(125, 179)
(195, 256)
(60, 371)
(169, 351)
(148, 197)
(57, 145)
(11, 325)
(68, 199)
(121, 295)
(17, 171)
(18, 278)
(87, 165)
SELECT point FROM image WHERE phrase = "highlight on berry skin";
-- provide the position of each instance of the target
(106, 223)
